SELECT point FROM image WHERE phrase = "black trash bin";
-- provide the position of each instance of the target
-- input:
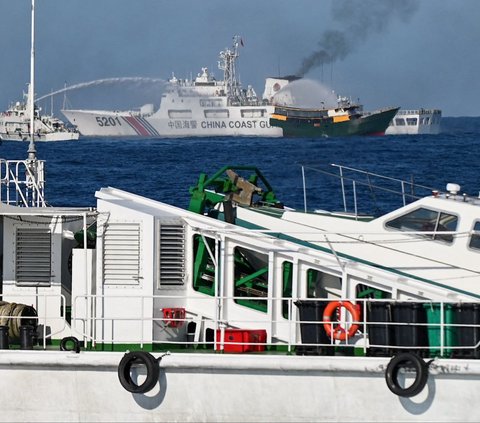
(26, 337)
(411, 331)
(380, 330)
(313, 333)
(467, 319)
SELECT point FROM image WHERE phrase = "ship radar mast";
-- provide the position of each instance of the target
(227, 63)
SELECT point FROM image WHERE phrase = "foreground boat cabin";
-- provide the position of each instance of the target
(146, 303)
(137, 272)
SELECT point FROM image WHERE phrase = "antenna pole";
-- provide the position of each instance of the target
(31, 148)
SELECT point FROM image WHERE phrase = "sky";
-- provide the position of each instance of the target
(405, 53)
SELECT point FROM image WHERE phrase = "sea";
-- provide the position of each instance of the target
(299, 170)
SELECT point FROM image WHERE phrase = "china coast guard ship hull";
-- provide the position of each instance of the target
(200, 107)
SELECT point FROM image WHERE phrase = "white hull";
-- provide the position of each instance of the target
(48, 137)
(124, 124)
(201, 107)
(64, 386)
(411, 122)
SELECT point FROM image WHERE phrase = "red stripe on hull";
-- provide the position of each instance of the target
(135, 124)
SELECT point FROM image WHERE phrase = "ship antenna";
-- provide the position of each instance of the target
(227, 63)
(32, 152)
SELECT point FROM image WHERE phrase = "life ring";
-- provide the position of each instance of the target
(70, 339)
(334, 330)
(143, 358)
(406, 360)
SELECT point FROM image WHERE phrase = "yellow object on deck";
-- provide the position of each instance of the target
(343, 118)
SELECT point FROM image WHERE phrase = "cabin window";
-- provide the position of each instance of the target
(33, 255)
(412, 121)
(322, 285)
(475, 238)
(253, 113)
(426, 220)
(210, 103)
(287, 279)
(400, 122)
(216, 113)
(121, 254)
(250, 278)
(203, 265)
(180, 114)
(367, 291)
(171, 250)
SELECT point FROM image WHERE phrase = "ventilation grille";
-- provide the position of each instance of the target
(33, 256)
(121, 254)
(172, 255)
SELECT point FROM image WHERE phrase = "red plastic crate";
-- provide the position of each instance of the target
(241, 340)
(174, 317)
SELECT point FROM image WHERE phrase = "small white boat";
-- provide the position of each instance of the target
(15, 124)
(23, 120)
(418, 121)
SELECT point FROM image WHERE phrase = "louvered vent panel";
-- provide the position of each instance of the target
(121, 253)
(33, 256)
(172, 256)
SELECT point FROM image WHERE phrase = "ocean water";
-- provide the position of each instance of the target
(164, 169)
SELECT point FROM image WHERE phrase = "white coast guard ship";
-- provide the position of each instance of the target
(200, 107)
(418, 121)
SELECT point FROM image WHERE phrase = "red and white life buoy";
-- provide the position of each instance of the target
(333, 329)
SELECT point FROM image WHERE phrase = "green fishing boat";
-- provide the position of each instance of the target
(345, 120)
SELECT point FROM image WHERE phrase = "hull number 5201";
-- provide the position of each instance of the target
(108, 121)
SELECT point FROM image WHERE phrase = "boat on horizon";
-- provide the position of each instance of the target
(346, 119)
(415, 121)
(23, 120)
(16, 120)
(205, 106)
(197, 107)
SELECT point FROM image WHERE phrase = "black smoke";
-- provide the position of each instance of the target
(358, 20)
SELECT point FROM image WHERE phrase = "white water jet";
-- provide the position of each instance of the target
(135, 79)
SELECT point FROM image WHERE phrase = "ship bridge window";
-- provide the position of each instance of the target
(216, 113)
(253, 113)
(204, 249)
(210, 103)
(399, 121)
(251, 278)
(180, 114)
(427, 220)
(475, 237)
(412, 121)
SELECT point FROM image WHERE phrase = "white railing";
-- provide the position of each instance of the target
(22, 182)
(433, 328)
(383, 326)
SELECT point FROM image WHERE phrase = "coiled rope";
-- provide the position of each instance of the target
(15, 315)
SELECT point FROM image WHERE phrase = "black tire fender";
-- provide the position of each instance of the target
(142, 358)
(407, 360)
(70, 339)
